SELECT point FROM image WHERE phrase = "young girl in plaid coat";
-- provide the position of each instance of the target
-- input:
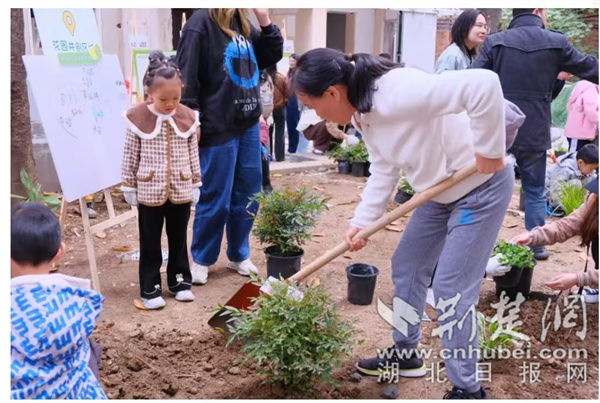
(161, 175)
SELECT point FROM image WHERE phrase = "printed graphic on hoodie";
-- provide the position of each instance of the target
(50, 329)
(242, 68)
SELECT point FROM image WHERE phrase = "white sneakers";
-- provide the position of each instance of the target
(244, 268)
(200, 272)
(184, 296)
(154, 303)
(159, 302)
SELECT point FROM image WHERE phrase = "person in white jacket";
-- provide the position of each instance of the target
(429, 126)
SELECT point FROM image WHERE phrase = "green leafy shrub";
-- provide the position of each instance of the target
(358, 152)
(405, 186)
(339, 153)
(493, 339)
(287, 218)
(514, 255)
(571, 197)
(35, 194)
(560, 149)
(293, 342)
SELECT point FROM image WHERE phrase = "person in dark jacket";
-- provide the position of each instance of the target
(220, 55)
(528, 59)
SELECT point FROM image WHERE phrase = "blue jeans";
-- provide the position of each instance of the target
(292, 117)
(532, 165)
(231, 174)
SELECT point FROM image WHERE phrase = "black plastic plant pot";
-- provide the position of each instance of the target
(511, 278)
(344, 167)
(361, 283)
(368, 169)
(359, 169)
(280, 265)
(402, 197)
(522, 286)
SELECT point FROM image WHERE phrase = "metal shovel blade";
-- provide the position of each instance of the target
(243, 300)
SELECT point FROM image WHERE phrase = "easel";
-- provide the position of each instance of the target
(89, 230)
(62, 215)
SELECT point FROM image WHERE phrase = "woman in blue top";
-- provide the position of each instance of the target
(468, 33)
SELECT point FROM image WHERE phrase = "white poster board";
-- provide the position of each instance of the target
(81, 109)
(71, 34)
(138, 42)
(419, 50)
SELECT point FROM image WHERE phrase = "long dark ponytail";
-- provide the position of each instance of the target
(318, 69)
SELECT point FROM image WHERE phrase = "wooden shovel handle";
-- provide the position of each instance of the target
(387, 219)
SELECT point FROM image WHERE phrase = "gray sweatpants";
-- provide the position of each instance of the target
(460, 236)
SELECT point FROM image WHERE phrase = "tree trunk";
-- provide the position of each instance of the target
(493, 17)
(21, 147)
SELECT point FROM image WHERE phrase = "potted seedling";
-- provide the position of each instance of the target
(405, 191)
(295, 342)
(359, 157)
(494, 339)
(340, 155)
(284, 223)
(572, 196)
(560, 151)
(520, 260)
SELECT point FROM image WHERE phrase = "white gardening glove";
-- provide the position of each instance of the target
(352, 140)
(195, 195)
(495, 268)
(130, 196)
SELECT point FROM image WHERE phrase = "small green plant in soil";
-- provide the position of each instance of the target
(571, 197)
(287, 217)
(294, 342)
(358, 152)
(35, 194)
(513, 255)
(339, 153)
(493, 338)
(405, 186)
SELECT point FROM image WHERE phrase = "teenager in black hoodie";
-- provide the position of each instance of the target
(220, 55)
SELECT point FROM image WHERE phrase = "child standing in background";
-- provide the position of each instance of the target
(161, 174)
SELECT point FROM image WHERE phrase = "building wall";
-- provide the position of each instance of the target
(364, 33)
(310, 29)
(443, 35)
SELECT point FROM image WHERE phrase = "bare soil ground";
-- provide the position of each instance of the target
(173, 353)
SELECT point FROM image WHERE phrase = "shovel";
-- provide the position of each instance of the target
(243, 299)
